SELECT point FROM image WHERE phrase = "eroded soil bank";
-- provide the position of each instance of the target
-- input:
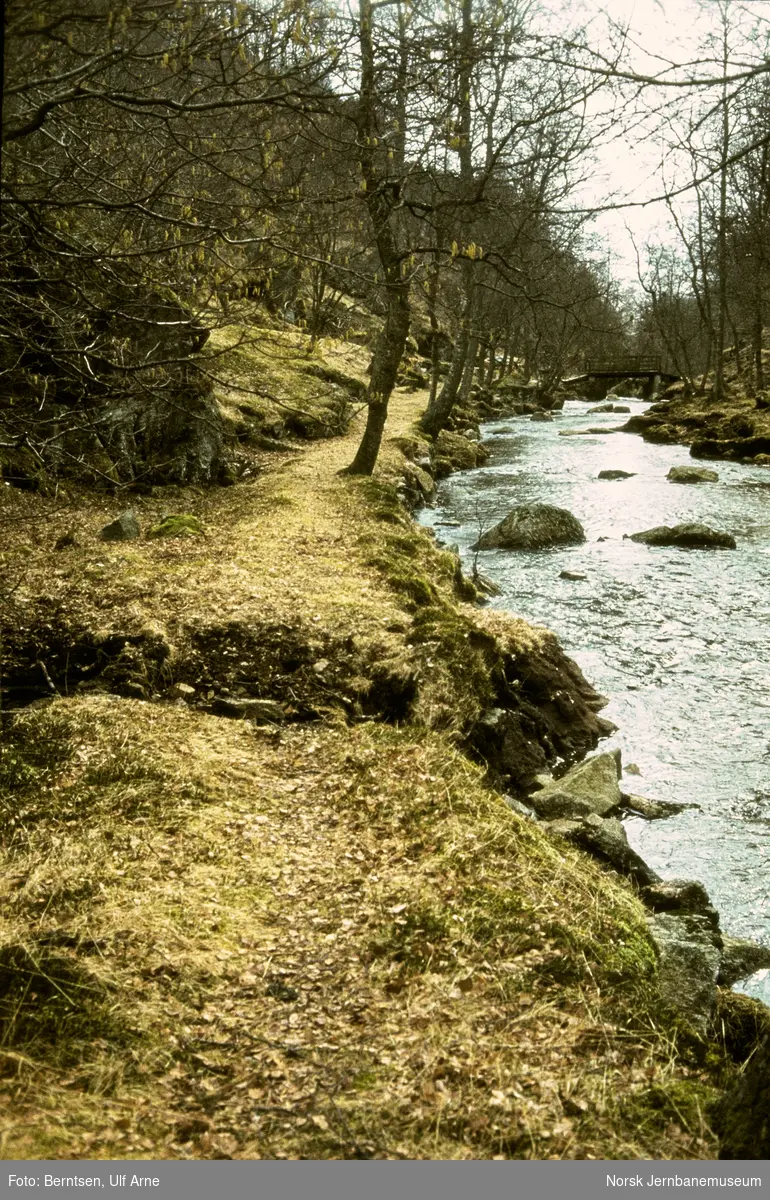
(263, 896)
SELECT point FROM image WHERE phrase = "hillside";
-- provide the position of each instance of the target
(258, 899)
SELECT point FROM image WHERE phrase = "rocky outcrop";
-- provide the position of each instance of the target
(590, 787)
(685, 897)
(533, 527)
(605, 838)
(691, 536)
(545, 711)
(741, 958)
(454, 452)
(688, 964)
(730, 448)
(692, 475)
(615, 473)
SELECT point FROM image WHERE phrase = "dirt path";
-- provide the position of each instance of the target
(323, 938)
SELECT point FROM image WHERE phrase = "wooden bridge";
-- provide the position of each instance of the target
(634, 365)
(598, 373)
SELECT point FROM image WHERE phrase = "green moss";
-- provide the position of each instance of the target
(415, 587)
(684, 1102)
(177, 525)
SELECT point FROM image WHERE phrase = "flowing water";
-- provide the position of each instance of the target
(678, 639)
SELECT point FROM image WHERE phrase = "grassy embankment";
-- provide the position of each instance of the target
(324, 938)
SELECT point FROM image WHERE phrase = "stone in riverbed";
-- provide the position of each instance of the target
(692, 475)
(691, 536)
(541, 416)
(741, 958)
(616, 474)
(688, 964)
(572, 575)
(653, 810)
(533, 527)
(592, 785)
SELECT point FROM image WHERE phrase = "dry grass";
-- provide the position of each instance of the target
(322, 939)
(317, 943)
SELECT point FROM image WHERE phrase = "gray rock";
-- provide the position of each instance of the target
(554, 805)
(653, 810)
(602, 408)
(621, 408)
(124, 529)
(572, 575)
(605, 838)
(260, 711)
(616, 474)
(693, 536)
(692, 475)
(688, 961)
(541, 416)
(741, 958)
(533, 527)
(687, 896)
(594, 782)
(523, 810)
(743, 1117)
(563, 827)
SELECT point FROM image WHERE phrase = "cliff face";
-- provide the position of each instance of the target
(262, 895)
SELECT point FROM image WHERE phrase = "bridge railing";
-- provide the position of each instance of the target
(640, 364)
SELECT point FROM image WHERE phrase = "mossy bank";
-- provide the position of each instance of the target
(263, 895)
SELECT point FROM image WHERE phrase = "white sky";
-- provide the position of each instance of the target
(629, 168)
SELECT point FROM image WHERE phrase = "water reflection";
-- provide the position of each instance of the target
(677, 638)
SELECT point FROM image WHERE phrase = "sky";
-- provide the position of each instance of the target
(628, 168)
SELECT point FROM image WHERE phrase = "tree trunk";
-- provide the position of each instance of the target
(490, 375)
(469, 369)
(387, 357)
(437, 413)
(382, 203)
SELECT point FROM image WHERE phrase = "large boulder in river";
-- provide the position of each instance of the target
(533, 527)
(460, 453)
(692, 475)
(693, 536)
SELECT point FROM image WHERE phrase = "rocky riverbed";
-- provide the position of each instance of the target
(675, 636)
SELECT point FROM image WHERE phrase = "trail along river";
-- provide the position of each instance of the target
(678, 639)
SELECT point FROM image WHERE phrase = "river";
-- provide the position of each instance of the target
(678, 639)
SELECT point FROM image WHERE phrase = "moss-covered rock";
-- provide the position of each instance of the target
(176, 525)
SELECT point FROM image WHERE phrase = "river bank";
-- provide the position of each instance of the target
(258, 899)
